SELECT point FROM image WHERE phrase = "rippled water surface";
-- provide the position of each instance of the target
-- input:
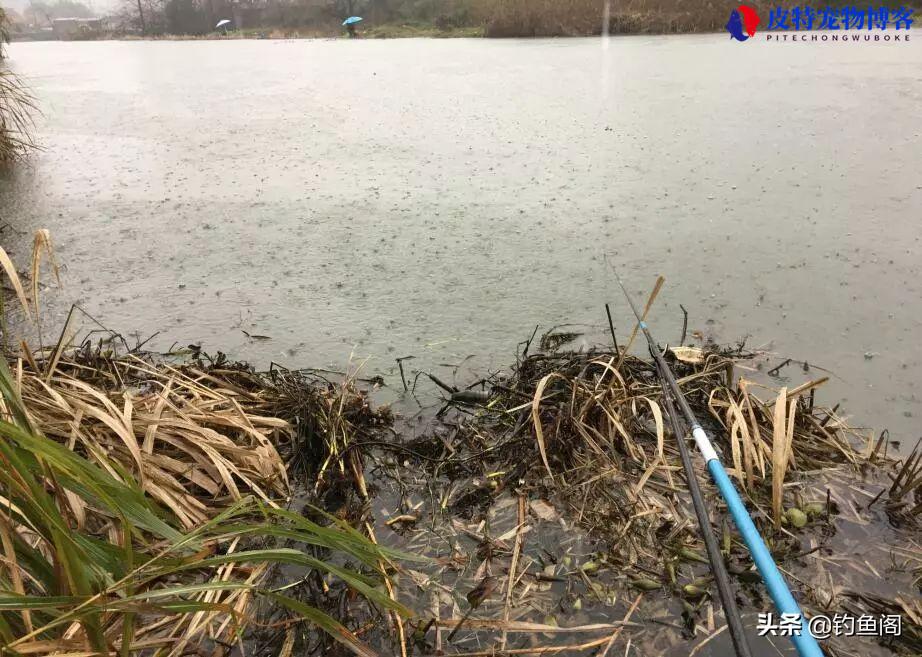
(440, 198)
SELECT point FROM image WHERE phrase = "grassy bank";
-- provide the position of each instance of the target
(384, 31)
(524, 18)
(418, 30)
(144, 496)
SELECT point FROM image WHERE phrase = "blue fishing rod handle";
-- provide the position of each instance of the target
(777, 588)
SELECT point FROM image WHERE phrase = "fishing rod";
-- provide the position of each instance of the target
(727, 599)
(777, 588)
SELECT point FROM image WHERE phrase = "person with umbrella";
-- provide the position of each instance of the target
(350, 25)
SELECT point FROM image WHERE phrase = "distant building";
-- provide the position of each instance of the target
(76, 28)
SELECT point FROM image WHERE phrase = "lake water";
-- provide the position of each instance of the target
(439, 198)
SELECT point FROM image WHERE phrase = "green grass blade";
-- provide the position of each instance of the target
(326, 623)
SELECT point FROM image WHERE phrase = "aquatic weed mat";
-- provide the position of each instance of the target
(552, 499)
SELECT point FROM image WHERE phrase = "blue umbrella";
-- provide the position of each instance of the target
(352, 19)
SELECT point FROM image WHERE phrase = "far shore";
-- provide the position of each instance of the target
(386, 31)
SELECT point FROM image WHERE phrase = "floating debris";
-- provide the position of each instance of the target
(591, 505)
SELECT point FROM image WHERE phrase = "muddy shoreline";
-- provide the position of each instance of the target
(476, 510)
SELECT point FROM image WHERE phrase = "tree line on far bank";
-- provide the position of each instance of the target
(497, 18)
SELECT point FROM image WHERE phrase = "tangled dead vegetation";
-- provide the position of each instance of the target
(576, 443)
(144, 498)
(197, 434)
(176, 469)
(146, 505)
(194, 442)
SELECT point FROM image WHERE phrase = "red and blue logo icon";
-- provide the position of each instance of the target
(743, 23)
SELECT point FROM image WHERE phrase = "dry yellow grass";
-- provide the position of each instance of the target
(17, 107)
(140, 500)
(192, 445)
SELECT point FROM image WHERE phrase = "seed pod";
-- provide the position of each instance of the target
(690, 555)
(814, 509)
(589, 567)
(645, 584)
(471, 397)
(796, 517)
(693, 592)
